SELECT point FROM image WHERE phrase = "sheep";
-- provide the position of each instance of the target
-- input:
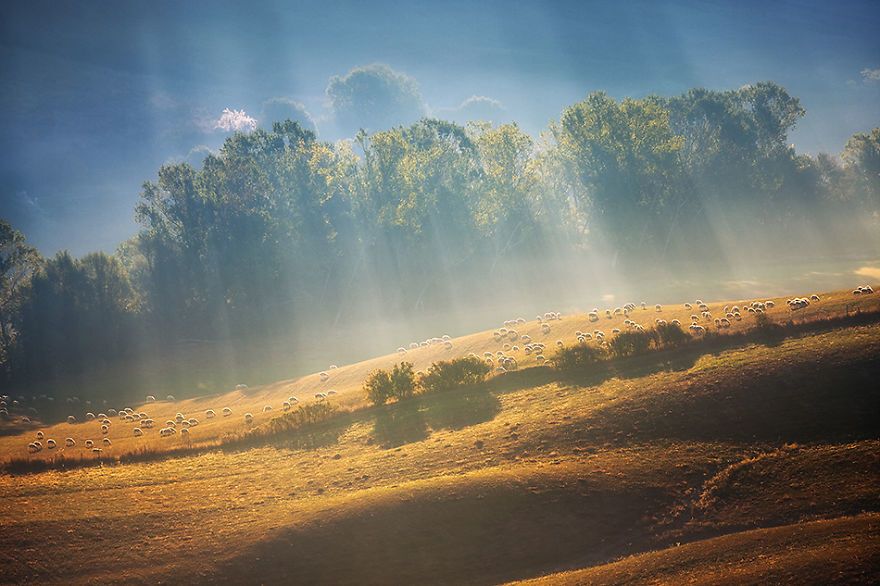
(150, 399)
(413, 345)
(593, 316)
(267, 408)
(697, 330)
(227, 412)
(105, 429)
(676, 322)
(545, 328)
(97, 451)
(285, 406)
(688, 306)
(331, 392)
(50, 443)
(167, 432)
(40, 435)
(209, 414)
(33, 448)
(90, 416)
(447, 344)
(106, 421)
(170, 398)
(25, 419)
(241, 387)
(90, 444)
(102, 416)
(334, 367)
(170, 423)
(540, 358)
(184, 423)
(324, 376)
(615, 331)
(193, 422)
(814, 297)
(137, 431)
(179, 417)
(248, 418)
(401, 350)
(147, 423)
(184, 433)
(560, 343)
(106, 441)
(70, 442)
(658, 307)
(292, 400)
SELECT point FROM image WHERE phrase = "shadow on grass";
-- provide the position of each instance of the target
(413, 420)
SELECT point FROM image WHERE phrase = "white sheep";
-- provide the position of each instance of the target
(106, 441)
(97, 451)
(209, 414)
(150, 399)
(70, 442)
(170, 398)
(267, 408)
(248, 418)
(90, 444)
(50, 443)
(138, 432)
(40, 435)
(105, 429)
(227, 412)
(90, 416)
(71, 419)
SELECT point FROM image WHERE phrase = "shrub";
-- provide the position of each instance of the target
(382, 385)
(671, 335)
(304, 416)
(630, 343)
(766, 327)
(403, 381)
(451, 374)
(577, 357)
(378, 387)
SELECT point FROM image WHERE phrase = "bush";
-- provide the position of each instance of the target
(671, 335)
(403, 381)
(304, 416)
(382, 385)
(578, 357)
(630, 343)
(452, 374)
(766, 327)
(378, 387)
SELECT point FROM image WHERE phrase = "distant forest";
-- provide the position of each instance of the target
(280, 230)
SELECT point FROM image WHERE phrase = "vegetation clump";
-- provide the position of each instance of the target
(382, 385)
(670, 335)
(577, 358)
(630, 343)
(447, 375)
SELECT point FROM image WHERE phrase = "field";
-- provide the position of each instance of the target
(732, 460)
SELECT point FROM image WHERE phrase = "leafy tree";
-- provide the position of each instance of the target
(18, 263)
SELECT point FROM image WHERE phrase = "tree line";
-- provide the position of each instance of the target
(281, 230)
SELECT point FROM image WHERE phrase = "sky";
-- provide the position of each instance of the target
(97, 95)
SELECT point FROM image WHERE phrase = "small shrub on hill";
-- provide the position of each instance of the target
(382, 385)
(630, 343)
(670, 335)
(452, 374)
(577, 357)
(304, 416)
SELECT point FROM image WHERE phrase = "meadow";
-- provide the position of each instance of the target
(734, 459)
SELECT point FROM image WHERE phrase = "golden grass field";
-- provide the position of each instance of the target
(739, 463)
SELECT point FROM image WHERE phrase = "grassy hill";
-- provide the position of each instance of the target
(735, 461)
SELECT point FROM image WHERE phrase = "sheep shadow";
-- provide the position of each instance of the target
(413, 420)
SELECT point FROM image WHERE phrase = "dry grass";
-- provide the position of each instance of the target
(525, 476)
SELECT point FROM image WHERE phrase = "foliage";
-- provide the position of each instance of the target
(381, 385)
(303, 416)
(578, 357)
(630, 343)
(670, 335)
(446, 375)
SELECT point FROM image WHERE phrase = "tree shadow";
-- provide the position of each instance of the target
(413, 420)
(400, 423)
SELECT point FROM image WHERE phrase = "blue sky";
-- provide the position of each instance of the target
(97, 95)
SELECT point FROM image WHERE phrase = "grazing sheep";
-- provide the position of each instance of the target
(615, 331)
(540, 358)
(151, 399)
(267, 408)
(697, 330)
(25, 419)
(334, 367)
(285, 406)
(248, 418)
(241, 387)
(70, 442)
(184, 433)
(688, 306)
(147, 423)
(545, 328)
(292, 400)
(227, 412)
(105, 429)
(331, 392)
(106, 441)
(90, 416)
(179, 417)
(814, 297)
(167, 431)
(209, 414)
(106, 421)
(401, 350)
(676, 322)
(137, 431)
(658, 307)
(33, 448)
(90, 444)
(324, 376)
(193, 422)
(170, 398)
(50, 443)
(71, 419)
(40, 435)
(413, 345)
(97, 451)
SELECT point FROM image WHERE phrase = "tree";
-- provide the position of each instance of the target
(861, 155)
(18, 263)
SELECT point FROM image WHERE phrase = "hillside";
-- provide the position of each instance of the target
(682, 465)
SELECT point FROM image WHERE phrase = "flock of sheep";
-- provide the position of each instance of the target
(513, 342)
